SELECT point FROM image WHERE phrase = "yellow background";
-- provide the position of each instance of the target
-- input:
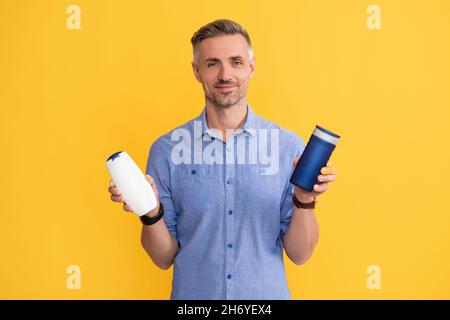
(70, 98)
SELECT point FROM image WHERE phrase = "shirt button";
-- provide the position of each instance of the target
(230, 245)
(228, 181)
(228, 276)
(230, 212)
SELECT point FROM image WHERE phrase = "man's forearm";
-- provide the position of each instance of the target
(159, 244)
(302, 235)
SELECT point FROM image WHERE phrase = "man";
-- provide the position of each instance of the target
(227, 210)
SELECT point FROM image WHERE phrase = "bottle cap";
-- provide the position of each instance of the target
(326, 135)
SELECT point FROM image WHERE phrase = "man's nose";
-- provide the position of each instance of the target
(225, 73)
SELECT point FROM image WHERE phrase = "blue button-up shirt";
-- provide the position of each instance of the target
(229, 205)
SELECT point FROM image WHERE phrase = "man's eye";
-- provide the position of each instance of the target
(237, 63)
(211, 64)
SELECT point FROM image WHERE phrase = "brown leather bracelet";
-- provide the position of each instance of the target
(299, 204)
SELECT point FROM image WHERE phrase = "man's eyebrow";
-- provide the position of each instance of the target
(218, 60)
(213, 60)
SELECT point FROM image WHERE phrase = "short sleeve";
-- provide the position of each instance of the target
(287, 203)
(158, 169)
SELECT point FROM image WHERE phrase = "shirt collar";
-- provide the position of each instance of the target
(248, 127)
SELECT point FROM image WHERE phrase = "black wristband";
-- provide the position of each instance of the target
(148, 221)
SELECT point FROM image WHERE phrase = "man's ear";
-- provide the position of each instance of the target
(252, 67)
(196, 72)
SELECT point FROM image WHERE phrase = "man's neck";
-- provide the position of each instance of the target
(223, 119)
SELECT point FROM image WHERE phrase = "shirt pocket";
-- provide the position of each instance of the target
(195, 186)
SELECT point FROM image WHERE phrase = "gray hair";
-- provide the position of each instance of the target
(219, 28)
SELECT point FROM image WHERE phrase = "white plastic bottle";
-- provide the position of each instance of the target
(131, 182)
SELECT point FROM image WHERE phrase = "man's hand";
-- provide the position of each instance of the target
(117, 197)
(328, 174)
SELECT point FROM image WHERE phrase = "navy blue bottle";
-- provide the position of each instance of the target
(314, 157)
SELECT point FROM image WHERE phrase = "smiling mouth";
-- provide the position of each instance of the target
(227, 88)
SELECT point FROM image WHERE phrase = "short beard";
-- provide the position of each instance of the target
(228, 101)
